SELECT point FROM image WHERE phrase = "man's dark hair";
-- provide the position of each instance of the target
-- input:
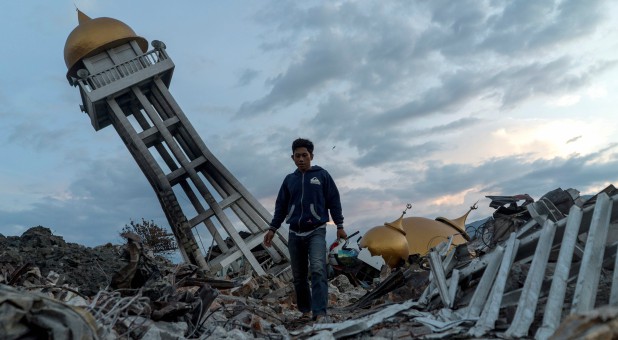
(302, 143)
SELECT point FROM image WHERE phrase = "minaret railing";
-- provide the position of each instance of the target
(117, 72)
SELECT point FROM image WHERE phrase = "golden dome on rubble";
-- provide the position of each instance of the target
(398, 240)
(92, 36)
(424, 234)
(389, 241)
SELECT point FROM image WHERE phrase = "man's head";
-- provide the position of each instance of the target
(302, 154)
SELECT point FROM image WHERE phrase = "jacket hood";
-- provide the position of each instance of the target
(312, 169)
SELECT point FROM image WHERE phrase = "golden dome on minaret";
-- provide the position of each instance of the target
(92, 36)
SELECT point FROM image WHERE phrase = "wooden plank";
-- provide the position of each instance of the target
(200, 209)
(524, 315)
(491, 310)
(235, 252)
(511, 298)
(449, 262)
(557, 292)
(588, 279)
(430, 291)
(441, 247)
(482, 289)
(151, 135)
(226, 202)
(438, 274)
(529, 243)
(526, 228)
(613, 296)
(452, 289)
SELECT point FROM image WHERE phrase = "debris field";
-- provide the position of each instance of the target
(534, 269)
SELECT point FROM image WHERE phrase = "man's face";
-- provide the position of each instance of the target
(302, 158)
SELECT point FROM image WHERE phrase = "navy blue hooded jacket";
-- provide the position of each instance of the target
(304, 200)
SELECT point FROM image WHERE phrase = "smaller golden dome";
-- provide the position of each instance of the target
(459, 223)
(389, 241)
(92, 36)
(397, 225)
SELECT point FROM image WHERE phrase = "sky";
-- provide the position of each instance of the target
(433, 103)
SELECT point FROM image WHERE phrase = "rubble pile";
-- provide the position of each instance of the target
(54, 289)
(533, 270)
(88, 269)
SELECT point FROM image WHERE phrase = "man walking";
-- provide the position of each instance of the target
(304, 201)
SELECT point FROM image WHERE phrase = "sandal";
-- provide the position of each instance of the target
(305, 317)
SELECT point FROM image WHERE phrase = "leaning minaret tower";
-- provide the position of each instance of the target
(125, 85)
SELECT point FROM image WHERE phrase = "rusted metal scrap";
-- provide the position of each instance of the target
(27, 315)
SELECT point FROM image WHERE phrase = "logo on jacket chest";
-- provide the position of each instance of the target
(315, 180)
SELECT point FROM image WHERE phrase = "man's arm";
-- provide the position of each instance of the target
(281, 210)
(281, 206)
(333, 201)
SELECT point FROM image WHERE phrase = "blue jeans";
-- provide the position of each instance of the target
(308, 254)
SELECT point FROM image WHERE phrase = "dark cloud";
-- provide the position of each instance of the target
(574, 139)
(97, 204)
(389, 152)
(457, 89)
(510, 175)
(370, 206)
(526, 26)
(247, 76)
(322, 62)
(374, 70)
(577, 171)
(258, 162)
(544, 78)
(337, 119)
(38, 137)
(456, 125)
(379, 54)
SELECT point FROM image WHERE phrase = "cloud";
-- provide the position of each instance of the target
(258, 162)
(518, 174)
(247, 76)
(398, 64)
(38, 137)
(574, 139)
(95, 205)
(322, 62)
(456, 125)
(519, 28)
(433, 181)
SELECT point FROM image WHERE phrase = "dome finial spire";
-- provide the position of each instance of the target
(81, 17)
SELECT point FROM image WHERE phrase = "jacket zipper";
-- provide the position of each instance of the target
(302, 195)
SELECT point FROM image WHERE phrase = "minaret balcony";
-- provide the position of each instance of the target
(118, 79)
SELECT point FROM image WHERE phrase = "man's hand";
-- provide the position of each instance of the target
(341, 234)
(268, 238)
